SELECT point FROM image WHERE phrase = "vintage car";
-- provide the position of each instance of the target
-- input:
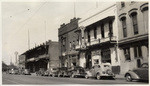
(54, 72)
(63, 72)
(26, 72)
(46, 73)
(13, 71)
(40, 72)
(99, 71)
(77, 72)
(138, 73)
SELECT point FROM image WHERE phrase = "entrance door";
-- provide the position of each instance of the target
(138, 63)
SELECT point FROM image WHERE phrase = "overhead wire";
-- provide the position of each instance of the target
(30, 18)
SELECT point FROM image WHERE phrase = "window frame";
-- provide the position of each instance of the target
(134, 22)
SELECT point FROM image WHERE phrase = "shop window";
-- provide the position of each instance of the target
(124, 27)
(137, 51)
(96, 61)
(106, 56)
(95, 33)
(127, 53)
(122, 4)
(102, 31)
(134, 22)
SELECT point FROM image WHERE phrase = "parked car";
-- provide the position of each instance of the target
(138, 73)
(77, 72)
(13, 71)
(63, 72)
(99, 71)
(47, 72)
(40, 72)
(54, 72)
(26, 72)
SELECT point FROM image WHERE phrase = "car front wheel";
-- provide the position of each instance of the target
(128, 78)
(98, 77)
(86, 76)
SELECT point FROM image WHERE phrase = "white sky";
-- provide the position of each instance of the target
(18, 17)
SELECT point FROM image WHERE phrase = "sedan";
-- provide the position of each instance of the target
(138, 73)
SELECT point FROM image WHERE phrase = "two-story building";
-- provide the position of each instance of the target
(68, 37)
(43, 56)
(100, 36)
(133, 34)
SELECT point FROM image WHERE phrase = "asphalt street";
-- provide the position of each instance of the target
(43, 80)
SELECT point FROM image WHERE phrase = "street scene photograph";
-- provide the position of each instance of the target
(75, 42)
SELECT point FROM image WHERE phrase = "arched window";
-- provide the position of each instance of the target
(144, 10)
(124, 25)
(133, 15)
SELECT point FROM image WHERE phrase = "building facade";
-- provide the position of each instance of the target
(43, 56)
(133, 34)
(100, 37)
(67, 41)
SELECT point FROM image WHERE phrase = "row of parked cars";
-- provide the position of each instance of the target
(97, 71)
(19, 71)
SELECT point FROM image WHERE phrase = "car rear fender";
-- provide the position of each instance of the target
(133, 75)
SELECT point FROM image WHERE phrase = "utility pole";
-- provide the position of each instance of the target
(28, 39)
(16, 54)
(45, 30)
(74, 10)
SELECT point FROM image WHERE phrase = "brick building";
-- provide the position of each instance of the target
(68, 38)
(42, 56)
(133, 34)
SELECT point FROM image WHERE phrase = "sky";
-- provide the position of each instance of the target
(41, 19)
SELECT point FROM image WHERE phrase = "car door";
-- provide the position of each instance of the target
(144, 69)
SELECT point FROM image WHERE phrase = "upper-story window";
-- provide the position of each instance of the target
(134, 22)
(102, 31)
(144, 10)
(70, 45)
(122, 4)
(88, 35)
(110, 29)
(124, 27)
(95, 33)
